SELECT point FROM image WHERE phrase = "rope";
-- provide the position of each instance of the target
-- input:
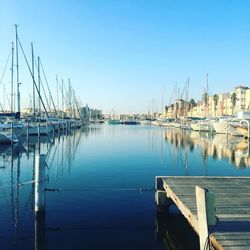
(22, 184)
(7, 61)
(99, 189)
(98, 227)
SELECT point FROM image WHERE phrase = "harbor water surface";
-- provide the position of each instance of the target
(101, 185)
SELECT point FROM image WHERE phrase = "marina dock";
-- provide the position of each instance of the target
(217, 208)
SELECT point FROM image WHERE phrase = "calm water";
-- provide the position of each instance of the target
(91, 167)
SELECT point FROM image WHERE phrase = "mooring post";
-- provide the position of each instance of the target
(40, 180)
(205, 214)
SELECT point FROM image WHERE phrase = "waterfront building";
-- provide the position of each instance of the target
(240, 92)
(247, 99)
(208, 107)
(224, 106)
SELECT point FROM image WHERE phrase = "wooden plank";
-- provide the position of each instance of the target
(232, 206)
(191, 218)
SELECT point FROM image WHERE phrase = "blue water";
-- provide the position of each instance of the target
(91, 168)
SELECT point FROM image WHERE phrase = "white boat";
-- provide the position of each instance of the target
(201, 127)
(236, 130)
(33, 129)
(145, 122)
(157, 123)
(223, 125)
(177, 125)
(185, 126)
(6, 137)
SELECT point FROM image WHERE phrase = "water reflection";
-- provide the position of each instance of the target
(17, 170)
(234, 149)
(174, 231)
(103, 157)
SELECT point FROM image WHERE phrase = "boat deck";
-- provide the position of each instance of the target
(232, 206)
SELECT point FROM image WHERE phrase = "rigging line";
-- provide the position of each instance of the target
(26, 60)
(7, 61)
(99, 227)
(6, 95)
(48, 87)
(43, 89)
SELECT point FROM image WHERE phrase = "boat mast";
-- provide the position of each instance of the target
(187, 92)
(17, 73)
(33, 73)
(39, 86)
(62, 99)
(207, 92)
(12, 77)
(33, 78)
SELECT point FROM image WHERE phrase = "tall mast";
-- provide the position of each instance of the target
(17, 73)
(39, 86)
(12, 77)
(207, 82)
(207, 93)
(62, 99)
(33, 73)
(187, 102)
(162, 100)
(57, 95)
(70, 99)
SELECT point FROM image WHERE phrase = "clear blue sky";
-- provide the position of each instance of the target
(120, 54)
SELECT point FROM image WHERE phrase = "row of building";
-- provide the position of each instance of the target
(211, 105)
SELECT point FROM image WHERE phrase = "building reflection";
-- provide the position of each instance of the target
(234, 149)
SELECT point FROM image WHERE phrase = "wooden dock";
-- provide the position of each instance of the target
(230, 207)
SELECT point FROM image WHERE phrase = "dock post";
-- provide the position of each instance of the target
(12, 136)
(40, 231)
(161, 199)
(205, 213)
(27, 130)
(227, 129)
(40, 178)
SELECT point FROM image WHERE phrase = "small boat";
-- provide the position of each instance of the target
(204, 126)
(113, 122)
(131, 122)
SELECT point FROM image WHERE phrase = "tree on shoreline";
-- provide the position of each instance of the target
(215, 99)
(166, 109)
(233, 100)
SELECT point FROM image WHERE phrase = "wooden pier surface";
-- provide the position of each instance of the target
(232, 204)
